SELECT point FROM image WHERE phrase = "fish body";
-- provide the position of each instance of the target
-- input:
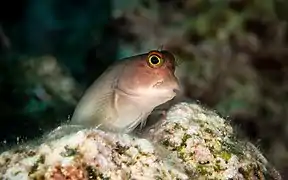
(127, 92)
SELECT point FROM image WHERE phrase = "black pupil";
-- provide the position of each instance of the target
(154, 60)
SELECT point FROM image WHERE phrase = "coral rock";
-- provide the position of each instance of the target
(190, 143)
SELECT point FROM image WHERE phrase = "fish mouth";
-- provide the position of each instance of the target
(177, 91)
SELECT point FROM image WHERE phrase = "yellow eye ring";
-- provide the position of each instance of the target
(155, 59)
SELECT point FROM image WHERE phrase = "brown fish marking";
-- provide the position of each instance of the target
(128, 91)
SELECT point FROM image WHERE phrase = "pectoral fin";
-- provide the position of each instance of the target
(135, 123)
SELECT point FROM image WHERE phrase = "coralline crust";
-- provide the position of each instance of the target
(190, 143)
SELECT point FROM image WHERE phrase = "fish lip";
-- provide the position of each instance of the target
(177, 91)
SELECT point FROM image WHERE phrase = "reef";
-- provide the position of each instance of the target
(190, 142)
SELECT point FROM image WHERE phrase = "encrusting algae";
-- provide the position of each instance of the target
(206, 144)
(199, 140)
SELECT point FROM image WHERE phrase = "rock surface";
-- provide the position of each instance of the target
(189, 143)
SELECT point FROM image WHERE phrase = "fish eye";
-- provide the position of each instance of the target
(155, 60)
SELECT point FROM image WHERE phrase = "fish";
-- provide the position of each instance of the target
(127, 92)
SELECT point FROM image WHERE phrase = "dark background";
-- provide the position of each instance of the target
(234, 55)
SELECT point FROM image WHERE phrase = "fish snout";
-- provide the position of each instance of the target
(171, 85)
(176, 87)
(177, 91)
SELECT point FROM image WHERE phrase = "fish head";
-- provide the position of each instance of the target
(151, 75)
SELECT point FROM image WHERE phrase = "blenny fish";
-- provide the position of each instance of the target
(127, 92)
